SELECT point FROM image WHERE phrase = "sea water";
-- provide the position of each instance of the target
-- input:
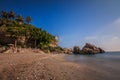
(106, 66)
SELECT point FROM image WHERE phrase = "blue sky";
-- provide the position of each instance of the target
(74, 21)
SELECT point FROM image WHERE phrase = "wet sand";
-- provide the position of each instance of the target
(40, 66)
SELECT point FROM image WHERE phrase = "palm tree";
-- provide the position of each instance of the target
(11, 15)
(35, 36)
(4, 14)
(28, 19)
(19, 19)
(3, 22)
(15, 33)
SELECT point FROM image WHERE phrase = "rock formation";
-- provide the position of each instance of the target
(88, 49)
(67, 50)
(76, 49)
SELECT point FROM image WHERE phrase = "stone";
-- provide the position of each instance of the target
(67, 51)
(88, 49)
(76, 50)
(91, 49)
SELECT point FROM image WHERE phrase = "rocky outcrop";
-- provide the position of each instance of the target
(10, 49)
(76, 49)
(6, 39)
(101, 50)
(67, 51)
(88, 49)
(54, 43)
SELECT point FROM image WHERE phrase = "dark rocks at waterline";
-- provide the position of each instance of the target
(88, 49)
(67, 51)
(76, 49)
(101, 50)
(91, 49)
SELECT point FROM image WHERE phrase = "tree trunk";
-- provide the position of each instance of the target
(35, 43)
(15, 43)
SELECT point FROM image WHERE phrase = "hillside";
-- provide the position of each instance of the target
(17, 30)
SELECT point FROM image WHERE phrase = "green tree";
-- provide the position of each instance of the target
(28, 19)
(11, 15)
(3, 22)
(9, 25)
(4, 14)
(35, 33)
(19, 19)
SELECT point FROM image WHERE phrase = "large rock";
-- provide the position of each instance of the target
(91, 49)
(87, 49)
(67, 50)
(76, 50)
(101, 50)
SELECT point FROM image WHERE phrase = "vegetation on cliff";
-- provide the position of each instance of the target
(17, 27)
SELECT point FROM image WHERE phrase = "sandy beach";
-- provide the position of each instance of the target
(36, 66)
(39, 66)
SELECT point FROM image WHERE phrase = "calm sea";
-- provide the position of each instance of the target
(104, 66)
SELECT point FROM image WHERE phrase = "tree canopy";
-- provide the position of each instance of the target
(17, 25)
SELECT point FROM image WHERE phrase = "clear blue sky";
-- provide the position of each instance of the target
(74, 21)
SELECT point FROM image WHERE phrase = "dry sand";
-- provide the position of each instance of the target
(39, 66)
(35, 66)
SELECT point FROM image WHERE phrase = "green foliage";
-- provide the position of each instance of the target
(19, 18)
(9, 24)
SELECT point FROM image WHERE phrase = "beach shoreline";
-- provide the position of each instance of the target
(30, 65)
